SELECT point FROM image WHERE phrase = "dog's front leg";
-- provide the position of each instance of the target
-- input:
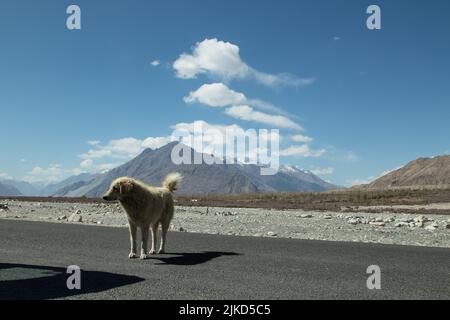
(144, 243)
(133, 230)
(154, 232)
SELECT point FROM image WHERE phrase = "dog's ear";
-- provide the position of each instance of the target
(126, 186)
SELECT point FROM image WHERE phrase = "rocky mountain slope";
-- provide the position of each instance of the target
(423, 172)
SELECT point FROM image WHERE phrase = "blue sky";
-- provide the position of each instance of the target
(370, 100)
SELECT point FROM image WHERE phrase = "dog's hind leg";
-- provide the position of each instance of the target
(154, 229)
(133, 230)
(144, 243)
(164, 227)
(165, 224)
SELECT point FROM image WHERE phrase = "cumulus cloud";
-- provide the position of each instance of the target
(155, 142)
(301, 138)
(199, 135)
(55, 172)
(247, 113)
(96, 153)
(212, 138)
(215, 95)
(124, 148)
(302, 151)
(322, 171)
(51, 174)
(220, 95)
(222, 60)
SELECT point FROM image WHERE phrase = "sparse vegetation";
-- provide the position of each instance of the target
(323, 201)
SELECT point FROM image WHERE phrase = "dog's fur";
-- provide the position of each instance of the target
(146, 208)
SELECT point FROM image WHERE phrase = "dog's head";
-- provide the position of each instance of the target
(119, 189)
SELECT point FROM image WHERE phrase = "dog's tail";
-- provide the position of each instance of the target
(171, 181)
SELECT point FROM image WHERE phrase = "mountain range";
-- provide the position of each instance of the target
(151, 166)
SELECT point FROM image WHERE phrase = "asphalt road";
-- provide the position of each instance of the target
(34, 257)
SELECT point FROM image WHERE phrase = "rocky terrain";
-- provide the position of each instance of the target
(385, 227)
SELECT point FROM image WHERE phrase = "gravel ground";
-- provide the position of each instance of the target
(387, 228)
(436, 206)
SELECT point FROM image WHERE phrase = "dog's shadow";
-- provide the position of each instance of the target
(194, 258)
(30, 282)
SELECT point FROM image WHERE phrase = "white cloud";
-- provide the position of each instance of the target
(336, 38)
(53, 173)
(245, 112)
(220, 95)
(222, 60)
(214, 139)
(302, 151)
(103, 157)
(120, 148)
(301, 138)
(212, 56)
(97, 159)
(322, 171)
(4, 175)
(96, 153)
(215, 95)
(89, 165)
(93, 142)
(127, 147)
(155, 63)
(155, 142)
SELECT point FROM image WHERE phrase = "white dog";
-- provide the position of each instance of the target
(146, 208)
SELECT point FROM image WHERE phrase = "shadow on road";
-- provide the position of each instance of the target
(20, 281)
(188, 259)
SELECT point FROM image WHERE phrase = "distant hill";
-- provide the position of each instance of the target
(7, 190)
(23, 187)
(151, 166)
(29, 189)
(68, 184)
(423, 172)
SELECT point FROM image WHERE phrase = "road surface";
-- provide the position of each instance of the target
(35, 257)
